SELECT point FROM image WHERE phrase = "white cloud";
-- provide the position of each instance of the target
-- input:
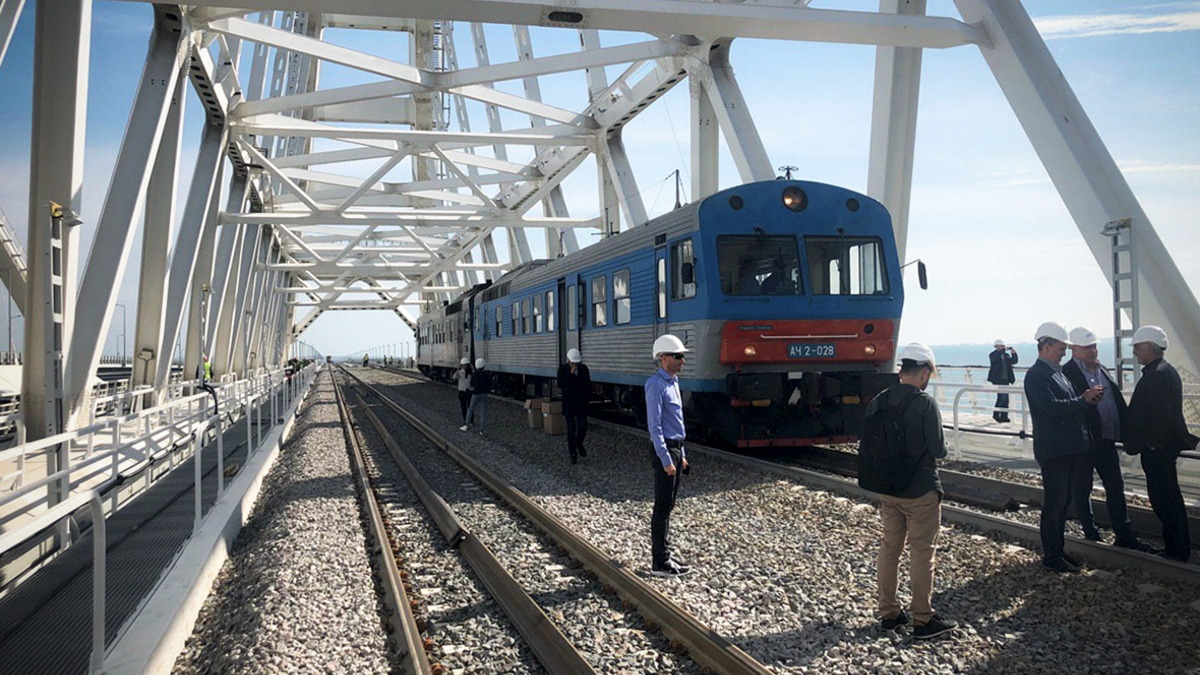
(1125, 23)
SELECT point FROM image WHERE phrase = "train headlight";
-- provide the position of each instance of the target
(750, 351)
(869, 350)
(794, 198)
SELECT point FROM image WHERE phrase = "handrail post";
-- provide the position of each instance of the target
(216, 419)
(99, 566)
(196, 445)
(957, 432)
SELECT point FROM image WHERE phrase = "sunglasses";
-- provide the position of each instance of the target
(677, 357)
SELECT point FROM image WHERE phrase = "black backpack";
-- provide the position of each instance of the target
(883, 464)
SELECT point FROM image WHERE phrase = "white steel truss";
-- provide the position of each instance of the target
(383, 160)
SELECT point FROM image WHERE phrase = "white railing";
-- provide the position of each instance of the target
(1014, 392)
(271, 389)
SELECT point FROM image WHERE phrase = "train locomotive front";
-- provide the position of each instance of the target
(798, 327)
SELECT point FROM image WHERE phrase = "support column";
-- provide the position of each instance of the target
(114, 233)
(706, 142)
(621, 173)
(200, 293)
(1092, 187)
(156, 245)
(894, 124)
(741, 135)
(62, 38)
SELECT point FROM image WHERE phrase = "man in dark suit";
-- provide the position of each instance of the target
(1001, 372)
(1159, 433)
(1061, 443)
(1105, 421)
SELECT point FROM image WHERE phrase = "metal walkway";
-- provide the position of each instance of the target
(46, 621)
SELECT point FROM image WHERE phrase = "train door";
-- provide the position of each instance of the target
(472, 327)
(568, 316)
(660, 291)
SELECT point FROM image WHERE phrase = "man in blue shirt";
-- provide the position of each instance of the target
(664, 417)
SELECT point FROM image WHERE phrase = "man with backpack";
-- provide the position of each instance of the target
(901, 442)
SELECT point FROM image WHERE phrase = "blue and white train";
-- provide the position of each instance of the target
(787, 293)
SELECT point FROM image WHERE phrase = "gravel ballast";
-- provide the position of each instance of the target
(788, 572)
(297, 593)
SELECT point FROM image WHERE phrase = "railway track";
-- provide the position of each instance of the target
(971, 497)
(557, 654)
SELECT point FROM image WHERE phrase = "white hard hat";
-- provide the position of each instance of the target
(998, 343)
(918, 353)
(1052, 329)
(574, 356)
(1151, 334)
(480, 363)
(667, 344)
(1082, 337)
(464, 361)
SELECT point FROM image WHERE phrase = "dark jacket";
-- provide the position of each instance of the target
(1001, 371)
(481, 383)
(1079, 382)
(1156, 412)
(923, 437)
(1059, 422)
(576, 388)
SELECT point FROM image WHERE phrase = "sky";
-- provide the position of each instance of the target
(1003, 253)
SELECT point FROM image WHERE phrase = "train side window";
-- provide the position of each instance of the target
(661, 284)
(572, 306)
(538, 326)
(549, 311)
(683, 266)
(526, 315)
(516, 318)
(600, 301)
(478, 310)
(621, 300)
(499, 320)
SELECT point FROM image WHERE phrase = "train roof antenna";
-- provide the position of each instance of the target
(678, 186)
(787, 171)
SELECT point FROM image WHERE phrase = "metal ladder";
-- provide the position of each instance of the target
(1125, 299)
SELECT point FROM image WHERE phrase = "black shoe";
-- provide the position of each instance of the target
(582, 451)
(1154, 550)
(1074, 560)
(1133, 545)
(1174, 556)
(1060, 566)
(895, 622)
(1094, 535)
(934, 627)
(574, 458)
(683, 568)
(670, 569)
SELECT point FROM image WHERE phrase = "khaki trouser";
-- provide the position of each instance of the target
(918, 521)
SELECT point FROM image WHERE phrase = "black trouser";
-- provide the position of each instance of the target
(1062, 477)
(665, 489)
(464, 400)
(1162, 486)
(1001, 412)
(1107, 463)
(577, 425)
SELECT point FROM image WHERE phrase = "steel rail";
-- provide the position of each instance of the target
(407, 634)
(552, 649)
(1005, 495)
(703, 644)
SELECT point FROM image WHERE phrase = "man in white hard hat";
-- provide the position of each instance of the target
(462, 377)
(664, 418)
(1061, 443)
(481, 386)
(1001, 372)
(912, 509)
(575, 380)
(1105, 422)
(1158, 432)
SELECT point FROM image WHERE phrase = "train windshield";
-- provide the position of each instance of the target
(758, 265)
(846, 265)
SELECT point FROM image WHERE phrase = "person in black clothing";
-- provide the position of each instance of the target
(576, 382)
(1001, 372)
(1158, 432)
(481, 386)
(1105, 422)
